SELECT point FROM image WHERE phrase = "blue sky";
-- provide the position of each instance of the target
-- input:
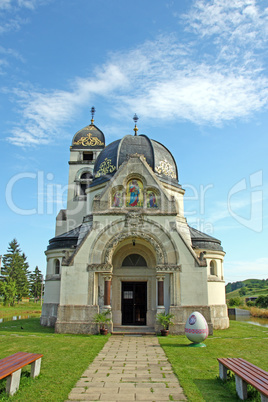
(194, 71)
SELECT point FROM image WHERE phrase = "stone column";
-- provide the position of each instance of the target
(107, 291)
(160, 293)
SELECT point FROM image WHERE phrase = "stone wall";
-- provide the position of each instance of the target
(76, 320)
(49, 314)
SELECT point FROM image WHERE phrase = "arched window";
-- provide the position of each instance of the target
(213, 267)
(57, 266)
(134, 260)
(85, 180)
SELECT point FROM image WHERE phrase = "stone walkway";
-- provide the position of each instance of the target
(129, 368)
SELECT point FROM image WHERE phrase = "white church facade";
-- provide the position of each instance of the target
(124, 244)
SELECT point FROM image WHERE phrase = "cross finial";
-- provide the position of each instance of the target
(92, 114)
(135, 118)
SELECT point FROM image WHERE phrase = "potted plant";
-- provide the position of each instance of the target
(165, 320)
(102, 319)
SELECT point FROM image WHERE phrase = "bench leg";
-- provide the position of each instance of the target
(223, 372)
(241, 388)
(35, 368)
(13, 382)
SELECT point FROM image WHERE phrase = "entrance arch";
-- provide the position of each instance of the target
(134, 284)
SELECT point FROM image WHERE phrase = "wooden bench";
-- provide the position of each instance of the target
(245, 373)
(11, 366)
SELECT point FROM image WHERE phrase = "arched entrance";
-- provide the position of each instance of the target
(134, 294)
(134, 284)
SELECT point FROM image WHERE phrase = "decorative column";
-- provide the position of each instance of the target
(107, 291)
(160, 293)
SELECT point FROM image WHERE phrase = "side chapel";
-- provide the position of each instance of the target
(124, 244)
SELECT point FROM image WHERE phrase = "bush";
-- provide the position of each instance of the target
(262, 302)
(250, 303)
(234, 301)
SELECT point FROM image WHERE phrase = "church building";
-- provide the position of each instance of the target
(124, 244)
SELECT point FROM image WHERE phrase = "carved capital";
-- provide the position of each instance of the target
(160, 278)
(107, 278)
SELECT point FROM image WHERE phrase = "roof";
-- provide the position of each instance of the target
(65, 240)
(204, 241)
(158, 157)
(89, 137)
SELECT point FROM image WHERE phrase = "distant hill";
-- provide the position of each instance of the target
(247, 288)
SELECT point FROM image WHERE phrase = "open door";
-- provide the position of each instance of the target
(134, 303)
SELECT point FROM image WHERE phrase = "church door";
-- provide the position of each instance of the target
(134, 303)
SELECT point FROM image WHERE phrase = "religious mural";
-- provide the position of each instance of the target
(117, 200)
(134, 193)
(151, 199)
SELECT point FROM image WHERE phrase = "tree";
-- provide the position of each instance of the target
(15, 268)
(9, 291)
(262, 301)
(36, 279)
(234, 301)
(242, 291)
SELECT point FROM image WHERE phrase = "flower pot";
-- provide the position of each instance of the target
(103, 331)
(164, 332)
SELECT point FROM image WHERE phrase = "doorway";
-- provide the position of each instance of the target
(134, 303)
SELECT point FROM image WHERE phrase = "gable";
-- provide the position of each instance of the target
(135, 187)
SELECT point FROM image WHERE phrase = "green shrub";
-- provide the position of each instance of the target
(234, 301)
(262, 302)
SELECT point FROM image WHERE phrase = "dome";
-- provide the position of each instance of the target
(157, 156)
(90, 137)
(203, 241)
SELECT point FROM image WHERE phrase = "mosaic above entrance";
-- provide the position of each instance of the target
(134, 196)
(134, 193)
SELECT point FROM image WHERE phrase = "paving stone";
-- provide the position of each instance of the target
(128, 369)
(119, 397)
(151, 385)
(84, 397)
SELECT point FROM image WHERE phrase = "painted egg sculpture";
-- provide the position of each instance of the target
(196, 327)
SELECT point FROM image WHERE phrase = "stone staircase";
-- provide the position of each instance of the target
(133, 330)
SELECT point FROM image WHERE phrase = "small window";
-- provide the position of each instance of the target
(87, 156)
(213, 270)
(57, 267)
(134, 260)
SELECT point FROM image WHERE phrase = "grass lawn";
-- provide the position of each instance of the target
(67, 356)
(23, 308)
(198, 370)
(255, 292)
(65, 359)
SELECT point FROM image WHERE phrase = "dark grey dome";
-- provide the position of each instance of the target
(90, 137)
(202, 240)
(157, 156)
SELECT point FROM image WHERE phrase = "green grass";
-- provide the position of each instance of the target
(65, 359)
(22, 308)
(255, 292)
(197, 368)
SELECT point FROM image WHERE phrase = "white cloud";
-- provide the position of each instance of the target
(240, 270)
(10, 13)
(232, 20)
(4, 4)
(162, 79)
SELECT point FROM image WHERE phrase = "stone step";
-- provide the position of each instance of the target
(133, 330)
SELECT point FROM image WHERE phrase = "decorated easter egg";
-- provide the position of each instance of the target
(196, 327)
